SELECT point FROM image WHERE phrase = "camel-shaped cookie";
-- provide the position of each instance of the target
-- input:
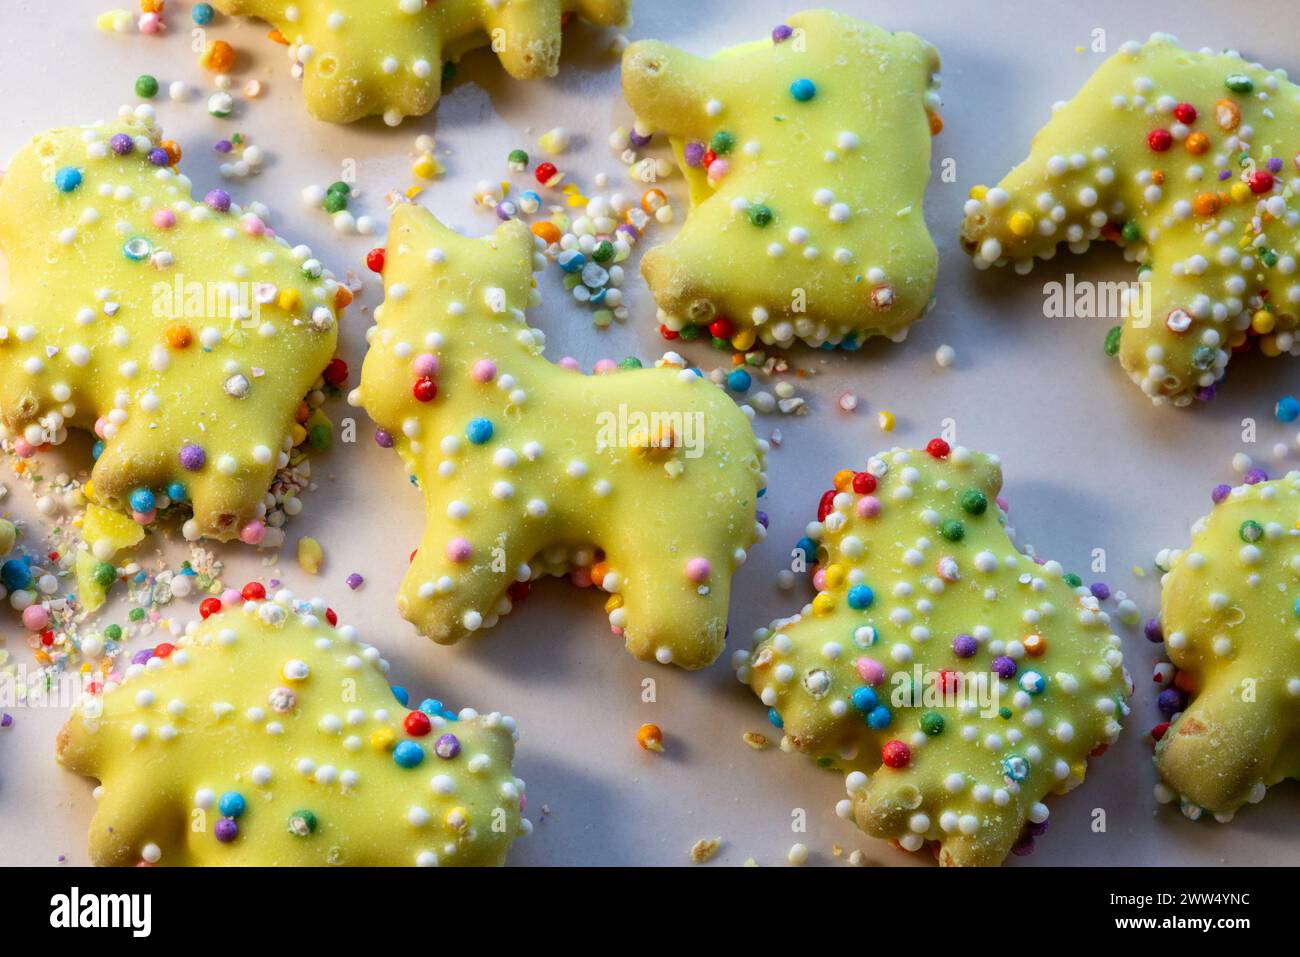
(267, 736)
(366, 57)
(807, 157)
(184, 334)
(643, 482)
(953, 680)
(1187, 160)
(1230, 614)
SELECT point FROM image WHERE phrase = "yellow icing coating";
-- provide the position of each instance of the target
(1189, 193)
(626, 480)
(1229, 616)
(367, 57)
(294, 716)
(973, 776)
(156, 321)
(816, 229)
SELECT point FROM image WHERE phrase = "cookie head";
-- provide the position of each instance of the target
(265, 736)
(1230, 616)
(807, 157)
(642, 482)
(363, 58)
(183, 333)
(1187, 160)
(953, 680)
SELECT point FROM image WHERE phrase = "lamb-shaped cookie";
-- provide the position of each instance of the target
(267, 736)
(953, 680)
(1230, 614)
(643, 482)
(366, 57)
(807, 157)
(1187, 160)
(184, 334)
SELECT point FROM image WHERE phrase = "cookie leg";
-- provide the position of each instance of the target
(526, 38)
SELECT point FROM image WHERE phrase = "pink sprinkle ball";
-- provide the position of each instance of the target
(24, 449)
(254, 226)
(231, 598)
(252, 533)
(698, 570)
(581, 577)
(150, 24)
(605, 367)
(819, 579)
(870, 670)
(718, 169)
(1004, 505)
(164, 218)
(425, 364)
(485, 370)
(868, 506)
(145, 518)
(35, 617)
(570, 363)
(458, 550)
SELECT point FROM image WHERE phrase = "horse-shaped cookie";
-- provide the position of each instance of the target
(643, 482)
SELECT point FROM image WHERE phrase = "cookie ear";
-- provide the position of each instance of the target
(670, 89)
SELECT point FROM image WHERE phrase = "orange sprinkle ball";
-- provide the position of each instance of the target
(650, 738)
(1197, 143)
(936, 124)
(218, 56)
(151, 6)
(178, 335)
(342, 298)
(549, 232)
(1035, 645)
(275, 36)
(653, 200)
(173, 151)
(1206, 204)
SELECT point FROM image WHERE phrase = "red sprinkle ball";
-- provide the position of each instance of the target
(253, 591)
(209, 607)
(896, 754)
(336, 373)
(545, 172)
(1261, 181)
(1185, 113)
(864, 483)
(1160, 140)
(417, 724)
(375, 259)
(826, 505)
(938, 448)
(425, 389)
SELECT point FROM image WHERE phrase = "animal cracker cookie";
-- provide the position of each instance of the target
(266, 736)
(807, 157)
(1230, 614)
(1188, 160)
(184, 334)
(952, 679)
(642, 482)
(364, 57)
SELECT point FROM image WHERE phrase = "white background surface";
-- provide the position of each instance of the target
(1088, 462)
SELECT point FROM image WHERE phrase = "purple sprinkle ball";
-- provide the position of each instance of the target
(447, 747)
(1219, 493)
(963, 646)
(1170, 702)
(142, 656)
(1255, 476)
(782, 33)
(693, 152)
(158, 157)
(226, 830)
(383, 438)
(219, 200)
(1100, 590)
(1153, 631)
(192, 457)
(1004, 667)
(763, 519)
(354, 581)
(121, 144)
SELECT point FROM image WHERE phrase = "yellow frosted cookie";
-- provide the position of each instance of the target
(183, 333)
(366, 57)
(267, 736)
(1187, 160)
(643, 482)
(807, 157)
(953, 680)
(1230, 614)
